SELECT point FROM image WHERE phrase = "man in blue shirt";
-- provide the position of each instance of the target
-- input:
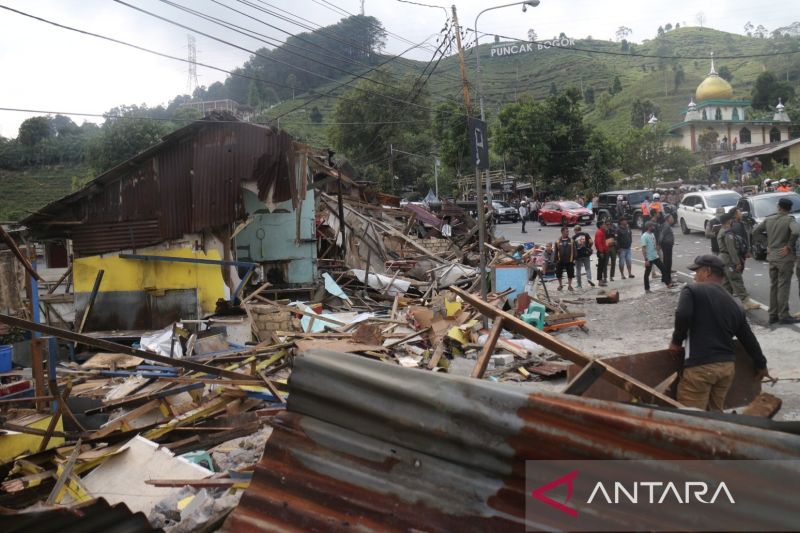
(650, 253)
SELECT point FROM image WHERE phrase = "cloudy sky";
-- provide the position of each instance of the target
(52, 69)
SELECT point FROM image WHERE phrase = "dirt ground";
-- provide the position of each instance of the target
(643, 322)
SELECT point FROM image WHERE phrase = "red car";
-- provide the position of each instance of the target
(564, 214)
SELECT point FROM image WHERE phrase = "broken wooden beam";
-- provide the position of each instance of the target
(515, 325)
(585, 379)
(12, 245)
(114, 347)
(488, 349)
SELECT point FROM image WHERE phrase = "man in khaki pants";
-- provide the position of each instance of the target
(707, 318)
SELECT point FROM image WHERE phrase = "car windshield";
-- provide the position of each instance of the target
(723, 200)
(499, 204)
(637, 197)
(764, 207)
(570, 205)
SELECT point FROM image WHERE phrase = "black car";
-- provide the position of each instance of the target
(632, 206)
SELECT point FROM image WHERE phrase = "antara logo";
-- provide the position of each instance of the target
(669, 492)
(650, 492)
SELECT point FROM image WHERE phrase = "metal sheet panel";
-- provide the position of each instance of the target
(370, 446)
(93, 239)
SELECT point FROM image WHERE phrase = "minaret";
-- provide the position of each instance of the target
(713, 71)
(780, 113)
(691, 112)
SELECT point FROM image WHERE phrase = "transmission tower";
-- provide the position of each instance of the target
(192, 83)
(362, 8)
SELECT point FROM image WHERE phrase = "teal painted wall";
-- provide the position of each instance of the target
(271, 237)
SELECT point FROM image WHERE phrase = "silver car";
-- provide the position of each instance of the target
(698, 208)
(756, 208)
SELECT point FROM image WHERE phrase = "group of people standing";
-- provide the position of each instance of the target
(570, 253)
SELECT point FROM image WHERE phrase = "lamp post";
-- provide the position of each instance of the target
(525, 5)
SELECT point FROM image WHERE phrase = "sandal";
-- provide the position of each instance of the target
(560, 288)
(570, 288)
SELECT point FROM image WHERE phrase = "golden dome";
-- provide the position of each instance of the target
(713, 88)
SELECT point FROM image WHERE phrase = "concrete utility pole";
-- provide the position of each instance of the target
(478, 199)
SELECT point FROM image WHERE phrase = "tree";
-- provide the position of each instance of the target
(660, 31)
(680, 77)
(725, 73)
(677, 25)
(380, 105)
(553, 88)
(748, 28)
(623, 45)
(616, 88)
(588, 95)
(123, 138)
(768, 90)
(761, 32)
(546, 138)
(604, 104)
(34, 130)
(532, 34)
(701, 18)
(64, 126)
(623, 32)
(668, 27)
(216, 91)
(449, 131)
(315, 115)
(601, 157)
(641, 111)
(707, 141)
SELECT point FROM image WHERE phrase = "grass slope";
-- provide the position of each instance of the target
(25, 191)
(531, 74)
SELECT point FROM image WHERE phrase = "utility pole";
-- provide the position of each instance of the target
(478, 198)
(391, 168)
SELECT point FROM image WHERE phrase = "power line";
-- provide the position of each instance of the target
(233, 45)
(175, 58)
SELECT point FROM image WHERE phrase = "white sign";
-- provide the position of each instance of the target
(524, 48)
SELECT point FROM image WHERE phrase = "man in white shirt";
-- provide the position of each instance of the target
(523, 213)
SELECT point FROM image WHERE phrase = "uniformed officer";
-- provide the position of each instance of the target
(782, 234)
(732, 251)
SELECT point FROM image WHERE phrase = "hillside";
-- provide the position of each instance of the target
(24, 191)
(533, 73)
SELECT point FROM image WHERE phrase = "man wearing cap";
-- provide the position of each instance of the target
(782, 233)
(733, 251)
(708, 318)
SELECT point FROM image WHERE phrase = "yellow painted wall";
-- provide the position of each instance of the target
(135, 275)
(12, 445)
(794, 155)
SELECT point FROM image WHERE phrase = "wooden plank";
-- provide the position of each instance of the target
(37, 370)
(612, 375)
(52, 289)
(488, 348)
(12, 245)
(437, 355)
(407, 338)
(65, 473)
(765, 405)
(585, 378)
(92, 297)
(114, 347)
(256, 292)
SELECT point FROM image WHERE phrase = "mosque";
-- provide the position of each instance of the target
(714, 107)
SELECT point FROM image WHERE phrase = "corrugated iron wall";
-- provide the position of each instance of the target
(370, 446)
(188, 183)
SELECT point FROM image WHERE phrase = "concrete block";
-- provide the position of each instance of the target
(502, 359)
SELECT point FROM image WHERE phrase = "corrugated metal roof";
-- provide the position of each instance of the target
(96, 516)
(188, 182)
(370, 446)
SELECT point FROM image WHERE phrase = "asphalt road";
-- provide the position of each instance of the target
(687, 247)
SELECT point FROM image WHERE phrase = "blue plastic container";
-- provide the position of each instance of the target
(6, 351)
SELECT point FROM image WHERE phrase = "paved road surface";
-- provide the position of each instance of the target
(687, 247)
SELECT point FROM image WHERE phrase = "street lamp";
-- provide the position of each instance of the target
(525, 4)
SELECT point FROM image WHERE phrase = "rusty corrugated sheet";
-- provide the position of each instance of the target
(369, 446)
(92, 239)
(190, 181)
(95, 516)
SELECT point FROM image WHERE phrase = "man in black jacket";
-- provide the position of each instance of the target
(666, 240)
(708, 318)
(712, 228)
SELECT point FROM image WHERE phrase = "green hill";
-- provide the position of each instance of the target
(583, 66)
(24, 191)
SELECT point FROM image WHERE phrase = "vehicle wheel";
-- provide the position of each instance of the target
(761, 256)
(705, 226)
(563, 221)
(638, 220)
(684, 228)
(542, 221)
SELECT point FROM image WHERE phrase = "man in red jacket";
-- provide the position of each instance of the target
(601, 243)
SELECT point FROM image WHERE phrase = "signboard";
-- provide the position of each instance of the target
(479, 142)
(524, 48)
